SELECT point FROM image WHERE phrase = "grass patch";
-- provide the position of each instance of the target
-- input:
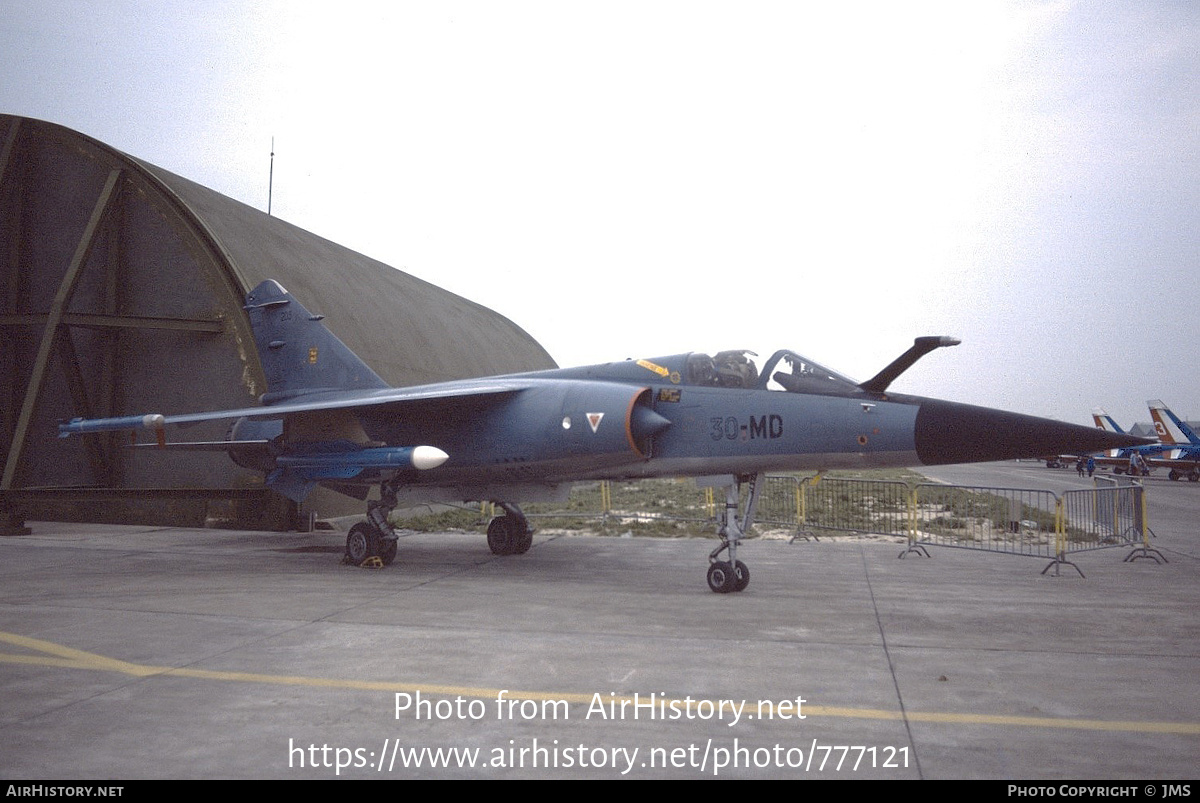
(664, 508)
(876, 501)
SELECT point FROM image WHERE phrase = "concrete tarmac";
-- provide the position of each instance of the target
(142, 652)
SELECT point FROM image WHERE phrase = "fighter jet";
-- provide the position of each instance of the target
(1149, 449)
(328, 419)
(1177, 448)
(1182, 444)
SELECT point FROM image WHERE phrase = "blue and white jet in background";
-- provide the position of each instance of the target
(328, 419)
(1106, 422)
(1175, 449)
(1182, 443)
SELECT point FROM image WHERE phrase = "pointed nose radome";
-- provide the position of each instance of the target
(947, 432)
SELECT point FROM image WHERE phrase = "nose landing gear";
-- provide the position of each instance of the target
(731, 576)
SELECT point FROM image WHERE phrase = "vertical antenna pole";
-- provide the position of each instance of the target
(271, 176)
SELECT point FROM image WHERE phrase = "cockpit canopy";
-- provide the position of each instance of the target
(784, 370)
(726, 369)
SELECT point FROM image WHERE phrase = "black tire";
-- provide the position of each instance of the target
(499, 536)
(720, 577)
(520, 538)
(387, 552)
(741, 576)
(360, 543)
(522, 543)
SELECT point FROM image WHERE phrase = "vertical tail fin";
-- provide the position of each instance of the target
(298, 354)
(1105, 422)
(1170, 427)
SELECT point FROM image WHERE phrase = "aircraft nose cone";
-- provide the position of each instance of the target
(947, 432)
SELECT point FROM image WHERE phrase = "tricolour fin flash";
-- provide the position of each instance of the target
(1171, 428)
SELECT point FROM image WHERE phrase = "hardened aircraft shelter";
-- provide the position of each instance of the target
(122, 288)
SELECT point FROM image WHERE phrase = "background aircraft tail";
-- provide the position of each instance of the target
(1170, 427)
(1105, 421)
(298, 354)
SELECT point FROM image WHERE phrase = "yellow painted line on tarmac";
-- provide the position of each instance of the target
(47, 653)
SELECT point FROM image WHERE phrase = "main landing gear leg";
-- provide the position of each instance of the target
(374, 539)
(509, 534)
(726, 576)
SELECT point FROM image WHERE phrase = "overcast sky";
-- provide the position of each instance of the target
(627, 179)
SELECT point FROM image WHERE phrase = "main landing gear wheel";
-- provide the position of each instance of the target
(364, 542)
(522, 542)
(360, 543)
(373, 542)
(509, 535)
(387, 552)
(497, 535)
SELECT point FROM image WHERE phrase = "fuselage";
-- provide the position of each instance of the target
(328, 418)
(691, 415)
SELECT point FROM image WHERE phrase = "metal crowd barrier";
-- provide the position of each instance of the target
(1007, 520)
(623, 501)
(1035, 523)
(881, 507)
(780, 505)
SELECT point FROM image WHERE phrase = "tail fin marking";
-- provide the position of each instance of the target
(298, 354)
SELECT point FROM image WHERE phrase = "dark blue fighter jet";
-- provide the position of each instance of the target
(328, 419)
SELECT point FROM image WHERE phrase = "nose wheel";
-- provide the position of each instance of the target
(726, 578)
